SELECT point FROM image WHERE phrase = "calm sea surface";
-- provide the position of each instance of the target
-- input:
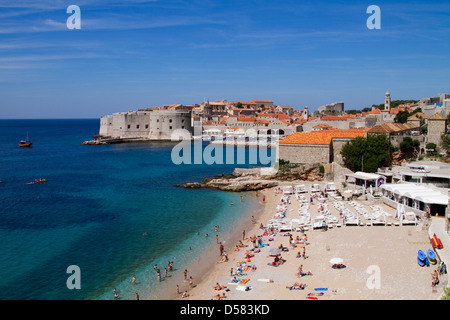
(111, 210)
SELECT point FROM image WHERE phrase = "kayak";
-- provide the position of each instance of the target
(431, 256)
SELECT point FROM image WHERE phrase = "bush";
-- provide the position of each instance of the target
(367, 154)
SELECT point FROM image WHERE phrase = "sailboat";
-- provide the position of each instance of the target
(25, 143)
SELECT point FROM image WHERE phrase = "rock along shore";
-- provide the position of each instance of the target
(257, 179)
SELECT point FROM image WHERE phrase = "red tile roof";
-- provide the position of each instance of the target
(322, 137)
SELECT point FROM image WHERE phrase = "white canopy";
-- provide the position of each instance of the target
(417, 192)
(366, 176)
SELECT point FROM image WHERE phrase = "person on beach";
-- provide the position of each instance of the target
(219, 296)
(178, 289)
(185, 294)
(301, 273)
(185, 274)
(159, 275)
(243, 235)
(217, 239)
(133, 279)
(220, 249)
(224, 258)
(218, 287)
(137, 296)
(434, 278)
(165, 272)
(155, 267)
(297, 286)
(191, 282)
(278, 260)
(241, 244)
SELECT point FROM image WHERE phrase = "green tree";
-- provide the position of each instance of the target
(408, 145)
(402, 116)
(431, 148)
(446, 142)
(367, 154)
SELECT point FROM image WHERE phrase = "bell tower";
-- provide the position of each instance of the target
(387, 101)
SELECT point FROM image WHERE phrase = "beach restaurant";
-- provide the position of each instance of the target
(365, 180)
(417, 197)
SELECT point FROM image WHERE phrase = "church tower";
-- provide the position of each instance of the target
(387, 101)
(306, 113)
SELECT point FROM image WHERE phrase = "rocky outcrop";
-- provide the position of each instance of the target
(236, 182)
(256, 179)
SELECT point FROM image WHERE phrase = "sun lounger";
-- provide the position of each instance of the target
(408, 218)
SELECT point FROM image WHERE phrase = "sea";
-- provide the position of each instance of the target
(106, 213)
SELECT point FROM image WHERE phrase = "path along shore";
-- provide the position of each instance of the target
(380, 261)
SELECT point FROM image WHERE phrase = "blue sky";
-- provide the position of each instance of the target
(136, 54)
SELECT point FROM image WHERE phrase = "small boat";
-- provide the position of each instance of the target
(25, 143)
(37, 181)
(431, 256)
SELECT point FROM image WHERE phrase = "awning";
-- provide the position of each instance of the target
(417, 192)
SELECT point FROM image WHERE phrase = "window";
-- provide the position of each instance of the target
(129, 126)
(170, 120)
(146, 126)
(170, 127)
(137, 126)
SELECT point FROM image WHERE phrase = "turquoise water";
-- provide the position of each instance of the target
(93, 210)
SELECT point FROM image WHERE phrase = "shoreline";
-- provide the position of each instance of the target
(203, 264)
(390, 249)
(204, 267)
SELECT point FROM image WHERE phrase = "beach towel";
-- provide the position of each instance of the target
(316, 294)
(243, 288)
(265, 280)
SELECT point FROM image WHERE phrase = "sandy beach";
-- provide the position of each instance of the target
(380, 261)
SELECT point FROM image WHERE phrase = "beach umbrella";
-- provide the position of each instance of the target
(336, 261)
(275, 251)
